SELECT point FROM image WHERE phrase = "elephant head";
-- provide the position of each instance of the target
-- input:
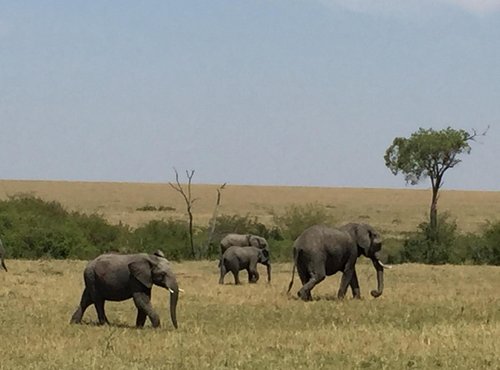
(263, 258)
(257, 241)
(155, 269)
(369, 245)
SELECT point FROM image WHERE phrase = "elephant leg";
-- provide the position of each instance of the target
(345, 281)
(101, 314)
(356, 293)
(253, 276)
(318, 274)
(85, 301)
(223, 273)
(143, 303)
(141, 318)
(236, 277)
(304, 278)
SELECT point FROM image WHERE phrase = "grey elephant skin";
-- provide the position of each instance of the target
(322, 251)
(237, 258)
(2, 256)
(243, 240)
(117, 277)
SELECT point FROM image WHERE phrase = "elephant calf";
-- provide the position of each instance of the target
(237, 258)
(117, 277)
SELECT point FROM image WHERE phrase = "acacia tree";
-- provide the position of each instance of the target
(428, 153)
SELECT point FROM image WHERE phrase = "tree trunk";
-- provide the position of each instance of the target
(433, 213)
(191, 241)
(213, 220)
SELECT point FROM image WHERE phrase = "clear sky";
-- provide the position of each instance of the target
(270, 92)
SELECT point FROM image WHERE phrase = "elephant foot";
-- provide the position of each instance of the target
(155, 321)
(305, 296)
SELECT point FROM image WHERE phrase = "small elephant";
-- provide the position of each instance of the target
(237, 258)
(322, 251)
(2, 255)
(117, 277)
(243, 240)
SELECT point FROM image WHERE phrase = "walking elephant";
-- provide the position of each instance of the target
(243, 240)
(117, 277)
(2, 255)
(322, 251)
(237, 258)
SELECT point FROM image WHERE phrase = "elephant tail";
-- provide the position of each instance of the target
(293, 270)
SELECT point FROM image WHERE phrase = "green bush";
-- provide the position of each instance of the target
(391, 250)
(296, 218)
(33, 228)
(484, 248)
(491, 247)
(170, 236)
(282, 251)
(432, 247)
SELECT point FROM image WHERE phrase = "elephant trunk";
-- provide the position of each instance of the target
(268, 272)
(174, 297)
(380, 278)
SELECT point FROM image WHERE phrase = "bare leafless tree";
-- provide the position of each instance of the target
(213, 220)
(186, 194)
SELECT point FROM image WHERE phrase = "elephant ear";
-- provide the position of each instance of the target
(159, 253)
(141, 270)
(363, 238)
(251, 241)
(264, 255)
(262, 242)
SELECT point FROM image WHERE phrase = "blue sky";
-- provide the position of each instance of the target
(268, 92)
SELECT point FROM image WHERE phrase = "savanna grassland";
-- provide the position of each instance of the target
(428, 317)
(390, 210)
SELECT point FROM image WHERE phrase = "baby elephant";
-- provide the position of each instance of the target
(237, 258)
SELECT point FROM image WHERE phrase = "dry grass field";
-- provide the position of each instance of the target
(429, 317)
(391, 210)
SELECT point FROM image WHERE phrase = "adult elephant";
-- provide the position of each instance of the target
(322, 251)
(243, 240)
(2, 255)
(117, 277)
(236, 259)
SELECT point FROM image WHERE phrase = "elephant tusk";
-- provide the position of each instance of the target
(384, 266)
(171, 290)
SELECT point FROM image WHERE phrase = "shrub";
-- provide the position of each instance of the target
(33, 228)
(146, 208)
(171, 236)
(296, 218)
(428, 246)
(484, 248)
